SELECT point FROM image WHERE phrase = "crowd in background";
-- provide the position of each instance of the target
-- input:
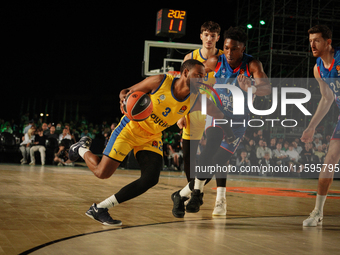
(34, 134)
(255, 149)
(258, 150)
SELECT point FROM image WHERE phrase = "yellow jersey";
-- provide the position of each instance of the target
(197, 120)
(167, 109)
(196, 54)
(147, 134)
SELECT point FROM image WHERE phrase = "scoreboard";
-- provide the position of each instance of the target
(171, 23)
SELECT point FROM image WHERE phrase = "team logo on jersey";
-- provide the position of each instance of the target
(161, 98)
(183, 109)
(338, 69)
(155, 144)
(242, 71)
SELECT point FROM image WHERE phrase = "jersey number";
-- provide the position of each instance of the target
(206, 77)
(166, 112)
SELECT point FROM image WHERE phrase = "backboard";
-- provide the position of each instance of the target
(163, 57)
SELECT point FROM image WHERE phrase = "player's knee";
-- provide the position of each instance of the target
(154, 181)
(103, 172)
(150, 181)
(332, 157)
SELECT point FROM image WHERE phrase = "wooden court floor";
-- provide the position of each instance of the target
(42, 212)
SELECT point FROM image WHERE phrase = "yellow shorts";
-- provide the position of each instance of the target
(129, 135)
(195, 126)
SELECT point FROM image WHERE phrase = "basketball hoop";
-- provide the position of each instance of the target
(174, 73)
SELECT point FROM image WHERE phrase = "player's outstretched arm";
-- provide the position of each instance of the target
(327, 98)
(147, 85)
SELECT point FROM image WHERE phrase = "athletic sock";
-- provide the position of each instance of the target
(108, 203)
(199, 184)
(82, 151)
(320, 202)
(221, 193)
(186, 191)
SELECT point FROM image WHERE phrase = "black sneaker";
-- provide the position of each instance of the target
(102, 215)
(201, 198)
(178, 208)
(84, 142)
(195, 201)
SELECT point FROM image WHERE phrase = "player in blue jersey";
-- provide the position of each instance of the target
(233, 67)
(327, 73)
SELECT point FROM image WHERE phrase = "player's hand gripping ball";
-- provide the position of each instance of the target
(138, 106)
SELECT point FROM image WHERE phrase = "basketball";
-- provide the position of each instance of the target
(138, 106)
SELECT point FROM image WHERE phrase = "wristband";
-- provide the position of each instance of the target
(254, 89)
(253, 85)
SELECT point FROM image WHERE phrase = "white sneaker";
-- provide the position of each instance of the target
(220, 208)
(32, 163)
(315, 218)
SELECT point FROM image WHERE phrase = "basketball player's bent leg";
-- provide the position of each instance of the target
(102, 168)
(124, 138)
(115, 152)
(324, 183)
(150, 164)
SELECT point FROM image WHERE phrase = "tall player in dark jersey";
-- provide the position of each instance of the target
(327, 73)
(233, 67)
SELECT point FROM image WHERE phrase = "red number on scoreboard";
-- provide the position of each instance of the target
(171, 24)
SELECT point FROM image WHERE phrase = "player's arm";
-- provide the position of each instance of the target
(262, 86)
(147, 85)
(327, 98)
(216, 113)
(210, 64)
(181, 123)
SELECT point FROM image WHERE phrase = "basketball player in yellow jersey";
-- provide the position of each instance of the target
(192, 134)
(210, 34)
(171, 100)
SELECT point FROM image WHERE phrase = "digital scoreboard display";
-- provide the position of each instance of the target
(171, 23)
